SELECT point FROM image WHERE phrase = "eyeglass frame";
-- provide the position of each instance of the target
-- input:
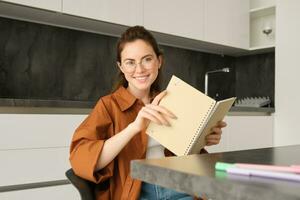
(154, 58)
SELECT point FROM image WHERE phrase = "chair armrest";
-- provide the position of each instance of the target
(85, 187)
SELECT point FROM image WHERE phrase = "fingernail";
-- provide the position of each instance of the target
(173, 115)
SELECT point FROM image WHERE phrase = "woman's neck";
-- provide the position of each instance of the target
(143, 95)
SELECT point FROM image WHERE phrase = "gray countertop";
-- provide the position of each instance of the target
(239, 111)
(84, 107)
(195, 174)
(252, 109)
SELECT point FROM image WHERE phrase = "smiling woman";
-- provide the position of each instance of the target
(151, 58)
(140, 67)
(114, 132)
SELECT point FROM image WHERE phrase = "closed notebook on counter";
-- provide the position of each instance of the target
(196, 115)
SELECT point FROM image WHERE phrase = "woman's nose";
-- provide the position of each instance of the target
(139, 67)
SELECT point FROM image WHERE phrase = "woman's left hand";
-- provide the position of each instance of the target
(215, 136)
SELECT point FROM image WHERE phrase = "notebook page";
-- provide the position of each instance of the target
(219, 112)
(190, 106)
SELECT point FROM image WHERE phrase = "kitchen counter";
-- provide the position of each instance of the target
(195, 174)
(35, 106)
(248, 111)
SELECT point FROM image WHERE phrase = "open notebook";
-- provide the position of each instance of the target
(196, 115)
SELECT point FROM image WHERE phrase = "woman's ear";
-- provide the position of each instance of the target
(120, 67)
(160, 61)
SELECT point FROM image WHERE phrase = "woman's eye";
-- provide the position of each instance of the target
(130, 63)
(148, 59)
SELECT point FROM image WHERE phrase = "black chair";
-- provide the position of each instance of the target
(85, 187)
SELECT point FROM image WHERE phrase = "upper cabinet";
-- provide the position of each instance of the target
(215, 26)
(262, 24)
(175, 17)
(227, 22)
(53, 5)
(125, 12)
(213, 21)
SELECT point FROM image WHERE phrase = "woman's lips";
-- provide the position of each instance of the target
(141, 79)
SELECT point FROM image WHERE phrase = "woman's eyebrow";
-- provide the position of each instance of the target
(131, 59)
(147, 55)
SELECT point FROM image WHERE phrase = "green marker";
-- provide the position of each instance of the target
(223, 166)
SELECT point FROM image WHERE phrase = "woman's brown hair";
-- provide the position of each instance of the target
(130, 35)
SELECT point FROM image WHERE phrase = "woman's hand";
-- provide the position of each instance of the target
(152, 112)
(215, 136)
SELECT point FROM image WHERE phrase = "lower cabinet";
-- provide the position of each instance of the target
(36, 166)
(29, 166)
(65, 192)
(245, 132)
(34, 151)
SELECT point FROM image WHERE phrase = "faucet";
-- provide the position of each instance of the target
(226, 69)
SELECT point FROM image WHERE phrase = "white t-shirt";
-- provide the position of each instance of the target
(154, 149)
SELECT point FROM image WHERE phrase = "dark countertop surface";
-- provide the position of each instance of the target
(84, 107)
(252, 109)
(195, 174)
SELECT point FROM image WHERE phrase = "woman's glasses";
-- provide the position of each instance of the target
(130, 65)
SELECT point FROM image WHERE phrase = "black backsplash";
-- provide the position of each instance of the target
(255, 76)
(51, 63)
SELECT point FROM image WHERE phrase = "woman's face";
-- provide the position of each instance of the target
(140, 65)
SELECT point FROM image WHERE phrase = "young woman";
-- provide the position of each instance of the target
(114, 132)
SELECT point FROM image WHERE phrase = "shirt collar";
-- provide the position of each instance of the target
(124, 98)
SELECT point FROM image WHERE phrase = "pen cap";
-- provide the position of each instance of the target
(223, 166)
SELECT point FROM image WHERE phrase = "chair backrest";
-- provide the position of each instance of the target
(85, 187)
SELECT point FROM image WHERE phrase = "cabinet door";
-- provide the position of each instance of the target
(25, 166)
(227, 22)
(54, 5)
(249, 132)
(245, 132)
(175, 17)
(42, 130)
(65, 192)
(125, 12)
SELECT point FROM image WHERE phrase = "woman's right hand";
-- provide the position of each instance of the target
(152, 112)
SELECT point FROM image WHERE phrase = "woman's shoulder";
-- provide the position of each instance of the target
(114, 100)
(108, 101)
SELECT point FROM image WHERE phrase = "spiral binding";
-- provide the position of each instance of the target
(198, 130)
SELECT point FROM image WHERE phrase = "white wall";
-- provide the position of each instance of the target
(287, 73)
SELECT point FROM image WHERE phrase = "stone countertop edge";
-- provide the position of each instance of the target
(36, 106)
(252, 109)
(197, 185)
(5, 102)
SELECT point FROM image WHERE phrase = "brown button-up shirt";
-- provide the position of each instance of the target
(112, 114)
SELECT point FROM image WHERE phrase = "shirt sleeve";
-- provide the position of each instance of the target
(87, 144)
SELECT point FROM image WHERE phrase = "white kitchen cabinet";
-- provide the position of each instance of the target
(125, 12)
(65, 192)
(262, 24)
(37, 130)
(261, 3)
(53, 5)
(25, 166)
(245, 132)
(175, 17)
(227, 22)
(41, 155)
